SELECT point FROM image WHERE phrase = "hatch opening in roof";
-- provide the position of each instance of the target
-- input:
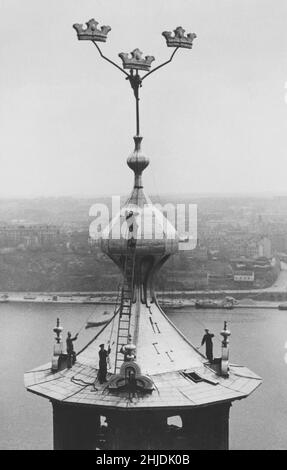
(196, 378)
(193, 376)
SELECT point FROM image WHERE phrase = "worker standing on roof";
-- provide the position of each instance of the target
(103, 359)
(70, 349)
(207, 340)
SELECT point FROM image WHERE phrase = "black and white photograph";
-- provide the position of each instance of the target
(143, 227)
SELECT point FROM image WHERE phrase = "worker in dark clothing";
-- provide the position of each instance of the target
(132, 227)
(207, 340)
(70, 349)
(103, 358)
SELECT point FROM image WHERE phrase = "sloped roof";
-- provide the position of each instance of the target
(163, 354)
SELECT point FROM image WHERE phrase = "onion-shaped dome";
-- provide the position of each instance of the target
(139, 219)
(143, 224)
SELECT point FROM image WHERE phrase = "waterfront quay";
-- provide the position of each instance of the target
(245, 298)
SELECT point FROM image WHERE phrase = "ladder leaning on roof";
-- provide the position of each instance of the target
(125, 303)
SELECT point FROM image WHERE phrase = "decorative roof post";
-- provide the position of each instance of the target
(225, 333)
(58, 347)
(129, 350)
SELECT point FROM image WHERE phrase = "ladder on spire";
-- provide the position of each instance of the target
(125, 305)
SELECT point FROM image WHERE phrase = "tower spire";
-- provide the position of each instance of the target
(157, 372)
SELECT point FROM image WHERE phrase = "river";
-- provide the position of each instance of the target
(258, 341)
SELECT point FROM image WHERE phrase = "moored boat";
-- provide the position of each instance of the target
(226, 303)
(102, 320)
(167, 304)
(94, 324)
(30, 297)
(4, 298)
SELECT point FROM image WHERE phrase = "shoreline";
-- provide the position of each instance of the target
(111, 297)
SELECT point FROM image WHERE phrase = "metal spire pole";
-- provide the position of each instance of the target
(136, 82)
(137, 109)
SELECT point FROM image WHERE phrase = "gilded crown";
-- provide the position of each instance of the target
(178, 38)
(91, 31)
(136, 61)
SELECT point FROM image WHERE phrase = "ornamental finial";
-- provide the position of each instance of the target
(137, 162)
(135, 60)
(92, 32)
(178, 38)
(58, 330)
(58, 348)
(225, 333)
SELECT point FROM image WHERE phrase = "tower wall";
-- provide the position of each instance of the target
(75, 427)
(80, 427)
(207, 428)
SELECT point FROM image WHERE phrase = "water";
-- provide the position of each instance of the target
(258, 341)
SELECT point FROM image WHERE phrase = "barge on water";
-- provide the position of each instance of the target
(172, 304)
(227, 303)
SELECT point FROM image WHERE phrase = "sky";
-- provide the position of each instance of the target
(213, 121)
